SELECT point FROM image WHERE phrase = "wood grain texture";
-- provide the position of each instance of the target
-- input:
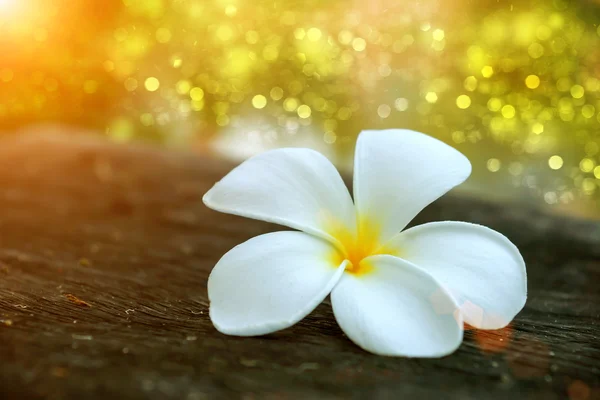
(105, 252)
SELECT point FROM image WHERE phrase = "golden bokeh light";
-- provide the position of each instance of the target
(555, 162)
(431, 97)
(532, 81)
(463, 101)
(493, 164)
(514, 88)
(151, 84)
(304, 111)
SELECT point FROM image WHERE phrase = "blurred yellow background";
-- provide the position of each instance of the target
(513, 85)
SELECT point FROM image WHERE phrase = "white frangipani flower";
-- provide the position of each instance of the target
(393, 292)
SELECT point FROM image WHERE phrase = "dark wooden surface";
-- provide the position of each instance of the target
(104, 256)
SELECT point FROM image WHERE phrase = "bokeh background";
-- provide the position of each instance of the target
(515, 85)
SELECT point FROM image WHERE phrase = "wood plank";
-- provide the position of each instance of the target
(105, 252)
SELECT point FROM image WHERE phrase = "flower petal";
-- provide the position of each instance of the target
(397, 309)
(271, 282)
(399, 172)
(480, 267)
(298, 188)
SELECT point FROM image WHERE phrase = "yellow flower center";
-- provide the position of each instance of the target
(356, 247)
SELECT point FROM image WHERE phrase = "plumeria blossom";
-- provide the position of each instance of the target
(394, 292)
